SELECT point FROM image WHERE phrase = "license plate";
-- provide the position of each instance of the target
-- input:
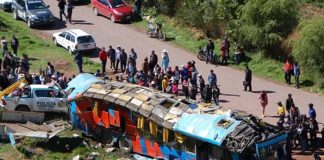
(128, 17)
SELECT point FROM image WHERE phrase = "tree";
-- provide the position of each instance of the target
(265, 23)
(308, 49)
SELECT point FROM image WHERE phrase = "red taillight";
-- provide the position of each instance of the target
(4, 102)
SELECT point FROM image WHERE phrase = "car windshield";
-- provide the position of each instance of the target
(85, 39)
(117, 3)
(35, 5)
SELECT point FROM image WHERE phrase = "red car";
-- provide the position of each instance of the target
(116, 10)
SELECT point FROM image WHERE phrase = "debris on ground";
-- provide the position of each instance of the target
(76, 157)
(97, 146)
(123, 159)
(139, 157)
(92, 156)
(110, 149)
(75, 135)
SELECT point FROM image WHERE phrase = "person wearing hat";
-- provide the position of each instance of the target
(281, 111)
(165, 59)
(165, 83)
(201, 85)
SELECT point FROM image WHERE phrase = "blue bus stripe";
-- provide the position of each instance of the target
(143, 146)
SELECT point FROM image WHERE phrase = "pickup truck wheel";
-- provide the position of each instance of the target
(15, 15)
(22, 108)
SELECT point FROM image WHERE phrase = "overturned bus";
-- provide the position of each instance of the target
(148, 122)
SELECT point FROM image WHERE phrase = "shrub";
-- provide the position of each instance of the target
(308, 49)
(264, 24)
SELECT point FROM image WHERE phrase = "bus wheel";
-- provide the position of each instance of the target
(125, 145)
(107, 138)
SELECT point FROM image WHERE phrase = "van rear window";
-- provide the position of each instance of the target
(85, 39)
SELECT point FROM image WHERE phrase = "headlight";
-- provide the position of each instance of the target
(33, 17)
(118, 13)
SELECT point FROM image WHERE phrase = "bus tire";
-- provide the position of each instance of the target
(107, 138)
(125, 145)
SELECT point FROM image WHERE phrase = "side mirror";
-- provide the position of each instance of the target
(23, 9)
(48, 6)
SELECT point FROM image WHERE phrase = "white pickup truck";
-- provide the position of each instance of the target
(40, 98)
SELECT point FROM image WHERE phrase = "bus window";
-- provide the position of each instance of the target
(159, 137)
(218, 153)
(190, 145)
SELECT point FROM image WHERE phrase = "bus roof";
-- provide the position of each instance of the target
(199, 120)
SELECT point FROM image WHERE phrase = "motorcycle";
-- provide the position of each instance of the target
(202, 55)
(155, 30)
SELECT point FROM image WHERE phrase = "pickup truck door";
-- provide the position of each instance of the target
(46, 101)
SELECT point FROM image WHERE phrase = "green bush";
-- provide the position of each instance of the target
(308, 49)
(264, 24)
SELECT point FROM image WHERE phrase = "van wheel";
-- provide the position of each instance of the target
(125, 145)
(29, 23)
(55, 42)
(22, 108)
(70, 51)
(15, 15)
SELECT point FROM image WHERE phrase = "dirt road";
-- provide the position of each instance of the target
(230, 80)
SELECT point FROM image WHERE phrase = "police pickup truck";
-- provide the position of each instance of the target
(38, 98)
(34, 12)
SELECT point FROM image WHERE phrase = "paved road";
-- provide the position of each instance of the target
(230, 80)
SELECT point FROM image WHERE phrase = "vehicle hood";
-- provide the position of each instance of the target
(44, 13)
(124, 9)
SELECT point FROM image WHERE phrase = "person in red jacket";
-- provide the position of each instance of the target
(103, 58)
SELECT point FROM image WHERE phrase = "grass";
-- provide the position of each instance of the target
(191, 40)
(39, 50)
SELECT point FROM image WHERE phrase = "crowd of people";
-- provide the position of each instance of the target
(14, 67)
(184, 80)
(161, 76)
(301, 128)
